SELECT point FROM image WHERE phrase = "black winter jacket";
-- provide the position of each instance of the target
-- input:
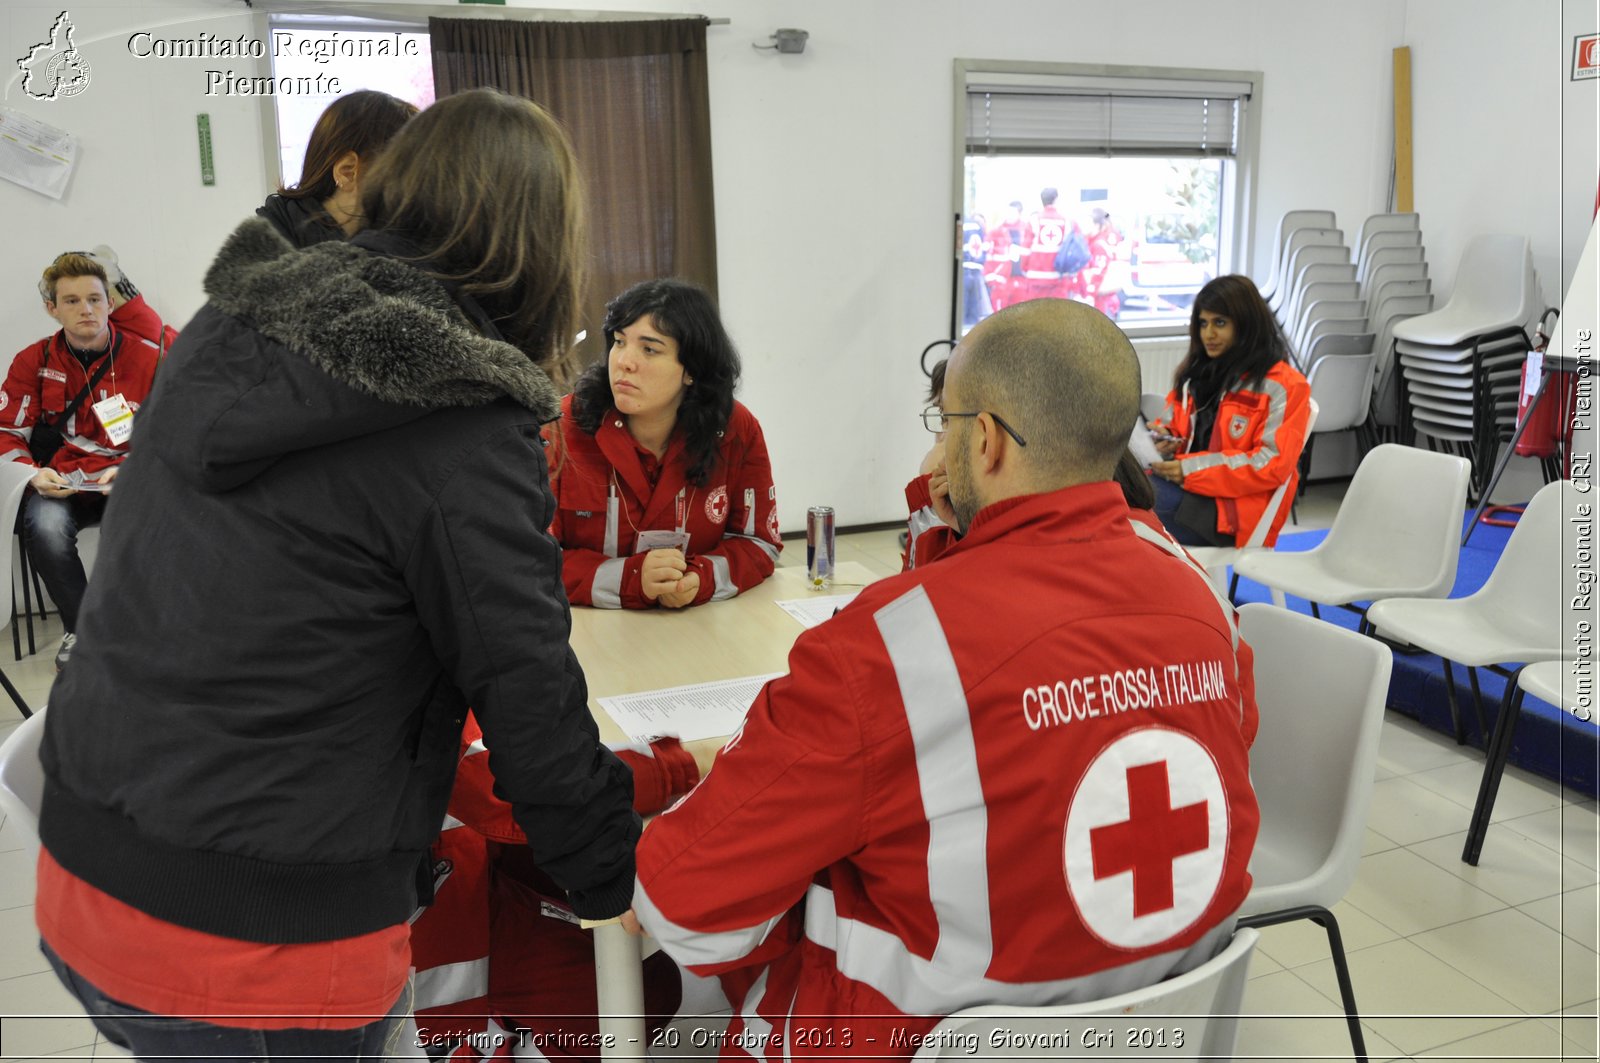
(330, 540)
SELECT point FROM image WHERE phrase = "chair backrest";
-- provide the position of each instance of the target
(1395, 271)
(14, 477)
(1525, 582)
(1280, 496)
(1409, 254)
(22, 778)
(1305, 258)
(1321, 327)
(1198, 1013)
(1342, 384)
(1495, 289)
(1396, 288)
(1380, 223)
(1299, 240)
(1320, 692)
(1400, 522)
(1324, 310)
(1338, 343)
(1292, 220)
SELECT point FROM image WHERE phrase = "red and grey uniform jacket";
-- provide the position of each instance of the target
(45, 376)
(1017, 776)
(927, 535)
(1255, 445)
(498, 949)
(609, 489)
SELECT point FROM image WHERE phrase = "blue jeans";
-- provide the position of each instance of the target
(158, 1038)
(50, 526)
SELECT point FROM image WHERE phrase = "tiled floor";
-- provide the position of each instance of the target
(1448, 961)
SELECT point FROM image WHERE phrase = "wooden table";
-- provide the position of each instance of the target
(628, 651)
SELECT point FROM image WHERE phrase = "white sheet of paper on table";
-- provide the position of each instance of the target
(814, 611)
(688, 713)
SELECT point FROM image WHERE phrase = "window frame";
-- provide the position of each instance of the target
(1236, 220)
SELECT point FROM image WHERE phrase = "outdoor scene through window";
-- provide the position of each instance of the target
(1136, 236)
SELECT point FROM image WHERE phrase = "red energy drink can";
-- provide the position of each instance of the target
(819, 547)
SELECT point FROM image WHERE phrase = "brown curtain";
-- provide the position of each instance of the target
(634, 98)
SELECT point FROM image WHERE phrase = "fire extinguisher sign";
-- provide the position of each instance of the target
(1586, 57)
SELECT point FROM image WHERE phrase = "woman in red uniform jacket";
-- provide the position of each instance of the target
(663, 487)
(1235, 421)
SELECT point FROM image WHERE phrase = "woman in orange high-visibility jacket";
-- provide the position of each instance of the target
(1235, 422)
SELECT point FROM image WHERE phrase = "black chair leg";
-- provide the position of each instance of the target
(1314, 610)
(15, 696)
(1233, 589)
(1494, 766)
(1477, 706)
(27, 593)
(1455, 710)
(1341, 967)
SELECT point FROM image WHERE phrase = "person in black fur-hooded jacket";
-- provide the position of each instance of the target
(331, 539)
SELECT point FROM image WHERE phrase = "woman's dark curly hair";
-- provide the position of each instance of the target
(686, 313)
(1258, 343)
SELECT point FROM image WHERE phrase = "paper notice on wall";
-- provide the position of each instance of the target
(35, 154)
(700, 710)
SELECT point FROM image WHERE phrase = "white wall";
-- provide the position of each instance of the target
(832, 170)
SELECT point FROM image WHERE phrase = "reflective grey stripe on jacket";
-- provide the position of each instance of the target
(876, 957)
(452, 983)
(923, 520)
(1277, 406)
(695, 947)
(606, 591)
(1150, 535)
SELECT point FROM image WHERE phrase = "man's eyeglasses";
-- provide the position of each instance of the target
(933, 419)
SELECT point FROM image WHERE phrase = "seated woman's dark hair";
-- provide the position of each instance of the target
(686, 313)
(1258, 342)
(363, 122)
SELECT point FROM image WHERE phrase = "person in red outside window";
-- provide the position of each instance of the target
(663, 486)
(1048, 230)
(1003, 268)
(1102, 277)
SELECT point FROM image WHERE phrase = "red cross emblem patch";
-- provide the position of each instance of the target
(1237, 425)
(717, 505)
(1146, 838)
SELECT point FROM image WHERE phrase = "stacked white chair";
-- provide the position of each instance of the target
(1460, 365)
(1287, 225)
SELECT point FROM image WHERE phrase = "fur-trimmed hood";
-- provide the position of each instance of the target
(305, 348)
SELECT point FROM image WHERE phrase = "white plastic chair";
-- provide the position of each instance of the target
(1216, 559)
(1512, 617)
(1332, 344)
(22, 778)
(1389, 254)
(1304, 260)
(1289, 268)
(1495, 290)
(1395, 535)
(1292, 220)
(1342, 386)
(1553, 683)
(1320, 693)
(1382, 223)
(1197, 1012)
(14, 477)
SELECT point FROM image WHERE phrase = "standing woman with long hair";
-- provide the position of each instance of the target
(1235, 421)
(663, 487)
(325, 204)
(332, 538)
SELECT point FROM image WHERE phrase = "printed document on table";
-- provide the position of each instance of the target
(34, 154)
(813, 611)
(700, 710)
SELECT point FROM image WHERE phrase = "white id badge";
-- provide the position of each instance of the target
(115, 418)
(662, 540)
